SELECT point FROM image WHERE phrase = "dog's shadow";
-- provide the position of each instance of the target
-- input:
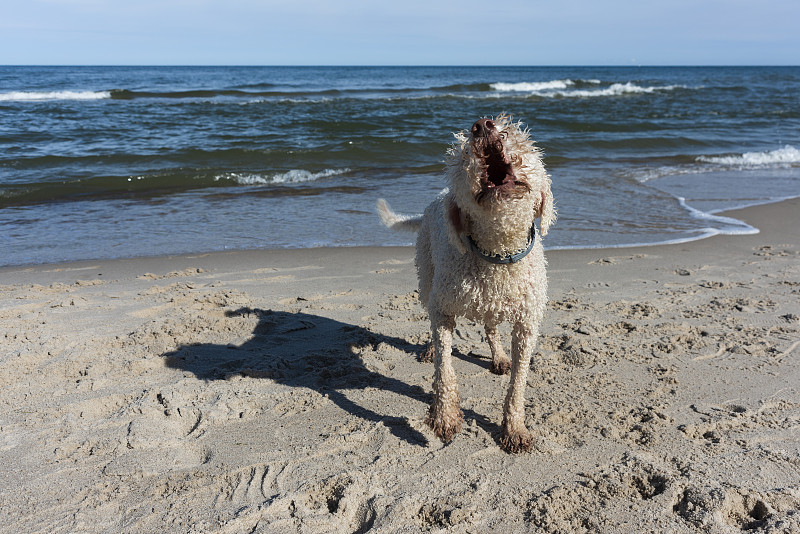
(308, 351)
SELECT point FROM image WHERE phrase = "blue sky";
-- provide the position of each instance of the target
(400, 32)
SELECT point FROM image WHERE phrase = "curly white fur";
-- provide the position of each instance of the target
(456, 282)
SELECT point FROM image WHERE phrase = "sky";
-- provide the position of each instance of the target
(400, 32)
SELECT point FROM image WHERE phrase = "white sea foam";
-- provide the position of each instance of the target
(290, 177)
(532, 86)
(727, 226)
(782, 158)
(645, 174)
(38, 96)
(616, 89)
(565, 88)
(731, 226)
(786, 156)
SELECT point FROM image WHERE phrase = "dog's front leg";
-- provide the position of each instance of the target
(444, 415)
(515, 437)
(500, 362)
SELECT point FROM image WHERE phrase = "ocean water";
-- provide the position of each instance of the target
(108, 162)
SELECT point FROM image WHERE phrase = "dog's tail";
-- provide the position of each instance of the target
(409, 223)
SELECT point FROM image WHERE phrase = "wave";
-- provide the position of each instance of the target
(618, 89)
(786, 156)
(40, 96)
(562, 88)
(531, 86)
(552, 85)
(300, 95)
(730, 226)
(647, 174)
(578, 89)
(724, 226)
(252, 92)
(293, 176)
(127, 94)
(156, 184)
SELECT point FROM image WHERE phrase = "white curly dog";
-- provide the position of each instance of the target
(478, 257)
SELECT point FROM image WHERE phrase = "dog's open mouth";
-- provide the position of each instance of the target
(498, 179)
(498, 172)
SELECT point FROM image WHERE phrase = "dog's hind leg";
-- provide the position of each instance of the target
(444, 414)
(501, 364)
(515, 436)
(424, 264)
(427, 354)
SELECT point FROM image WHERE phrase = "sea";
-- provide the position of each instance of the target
(115, 162)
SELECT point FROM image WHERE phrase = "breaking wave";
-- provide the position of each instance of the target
(579, 89)
(40, 96)
(786, 156)
(290, 177)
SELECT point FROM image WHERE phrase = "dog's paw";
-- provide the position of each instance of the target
(426, 355)
(501, 367)
(444, 425)
(515, 442)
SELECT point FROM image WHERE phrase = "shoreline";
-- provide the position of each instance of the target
(280, 391)
(270, 252)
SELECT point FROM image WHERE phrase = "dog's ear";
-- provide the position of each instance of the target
(545, 209)
(456, 224)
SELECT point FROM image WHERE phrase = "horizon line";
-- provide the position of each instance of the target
(303, 65)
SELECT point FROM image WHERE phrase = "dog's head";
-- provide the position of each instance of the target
(494, 168)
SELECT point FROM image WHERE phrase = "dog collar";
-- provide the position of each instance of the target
(508, 258)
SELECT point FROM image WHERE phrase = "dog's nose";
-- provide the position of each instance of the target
(483, 128)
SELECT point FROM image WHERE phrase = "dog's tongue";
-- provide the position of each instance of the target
(508, 179)
(498, 170)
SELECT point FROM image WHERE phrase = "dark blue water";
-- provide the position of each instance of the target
(103, 162)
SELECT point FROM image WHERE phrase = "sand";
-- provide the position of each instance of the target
(280, 391)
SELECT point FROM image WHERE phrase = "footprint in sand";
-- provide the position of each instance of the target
(159, 437)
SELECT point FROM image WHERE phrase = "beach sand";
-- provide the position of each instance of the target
(280, 391)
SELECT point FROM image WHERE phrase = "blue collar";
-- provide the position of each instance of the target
(509, 258)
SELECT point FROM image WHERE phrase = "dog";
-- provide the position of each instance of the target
(479, 256)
